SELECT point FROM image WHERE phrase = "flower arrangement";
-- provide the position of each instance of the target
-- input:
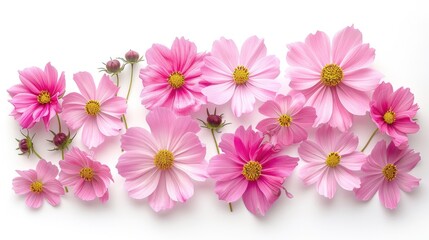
(330, 82)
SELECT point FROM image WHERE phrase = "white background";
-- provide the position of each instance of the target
(79, 35)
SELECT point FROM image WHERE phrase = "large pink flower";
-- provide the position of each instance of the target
(288, 119)
(89, 178)
(386, 171)
(335, 78)
(249, 169)
(39, 184)
(37, 98)
(332, 159)
(97, 110)
(160, 165)
(242, 76)
(172, 78)
(393, 112)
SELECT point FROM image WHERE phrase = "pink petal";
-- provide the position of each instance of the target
(343, 42)
(144, 185)
(227, 144)
(312, 172)
(19, 88)
(346, 178)
(51, 77)
(369, 186)
(22, 101)
(21, 185)
(285, 136)
(227, 51)
(345, 143)
(91, 135)
(263, 89)
(301, 55)
(53, 199)
(106, 89)
(406, 125)
(341, 117)
(311, 152)
(252, 50)
(360, 56)
(156, 95)
(354, 101)
(267, 67)
(159, 121)
(183, 53)
(242, 101)
(281, 166)
(353, 161)
(103, 199)
(320, 45)
(34, 200)
(322, 101)
(179, 186)
(184, 101)
(389, 194)
(255, 200)
(197, 172)
(271, 109)
(268, 125)
(215, 71)
(270, 187)
(160, 55)
(363, 79)
(298, 133)
(115, 106)
(32, 78)
(74, 113)
(327, 185)
(302, 78)
(29, 175)
(135, 164)
(406, 182)
(54, 187)
(137, 138)
(85, 191)
(305, 117)
(109, 125)
(231, 189)
(99, 186)
(159, 200)
(402, 100)
(86, 85)
(188, 149)
(222, 167)
(219, 93)
(407, 162)
(46, 170)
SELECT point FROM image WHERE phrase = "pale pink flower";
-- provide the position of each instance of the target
(242, 76)
(288, 119)
(250, 169)
(393, 112)
(334, 77)
(332, 159)
(386, 171)
(97, 110)
(172, 77)
(37, 98)
(160, 164)
(89, 178)
(39, 184)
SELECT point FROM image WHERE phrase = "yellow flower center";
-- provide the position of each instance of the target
(176, 80)
(87, 174)
(240, 75)
(389, 172)
(252, 170)
(332, 74)
(36, 187)
(164, 159)
(284, 120)
(389, 117)
(333, 159)
(92, 107)
(44, 97)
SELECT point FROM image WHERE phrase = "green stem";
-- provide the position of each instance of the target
(59, 123)
(218, 152)
(65, 188)
(131, 81)
(369, 140)
(117, 80)
(37, 154)
(125, 121)
(62, 153)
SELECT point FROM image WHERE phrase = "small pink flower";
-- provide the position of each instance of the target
(89, 178)
(172, 77)
(242, 76)
(288, 119)
(160, 165)
(334, 77)
(393, 112)
(331, 159)
(39, 184)
(386, 171)
(98, 111)
(249, 169)
(37, 98)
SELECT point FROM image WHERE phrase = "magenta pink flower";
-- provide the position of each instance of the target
(39, 184)
(331, 159)
(89, 178)
(393, 112)
(37, 98)
(98, 111)
(172, 78)
(335, 78)
(386, 171)
(242, 76)
(287, 119)
(249, 169)
(160, 165)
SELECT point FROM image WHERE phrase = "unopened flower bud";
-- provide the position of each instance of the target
(113, 66)
(23, 145)
(214, 120)
(132, 56)
(60, 139)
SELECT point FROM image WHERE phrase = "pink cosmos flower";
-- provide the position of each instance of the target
(331, 159)
(249, 169)
(160, 165)
(97, 110)
(393, 112)
(386, 171)
(37, 98)
(242, 76)
(172, 77)
(334, 77)
(89, 178)
(39, 184)
(287, 119)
